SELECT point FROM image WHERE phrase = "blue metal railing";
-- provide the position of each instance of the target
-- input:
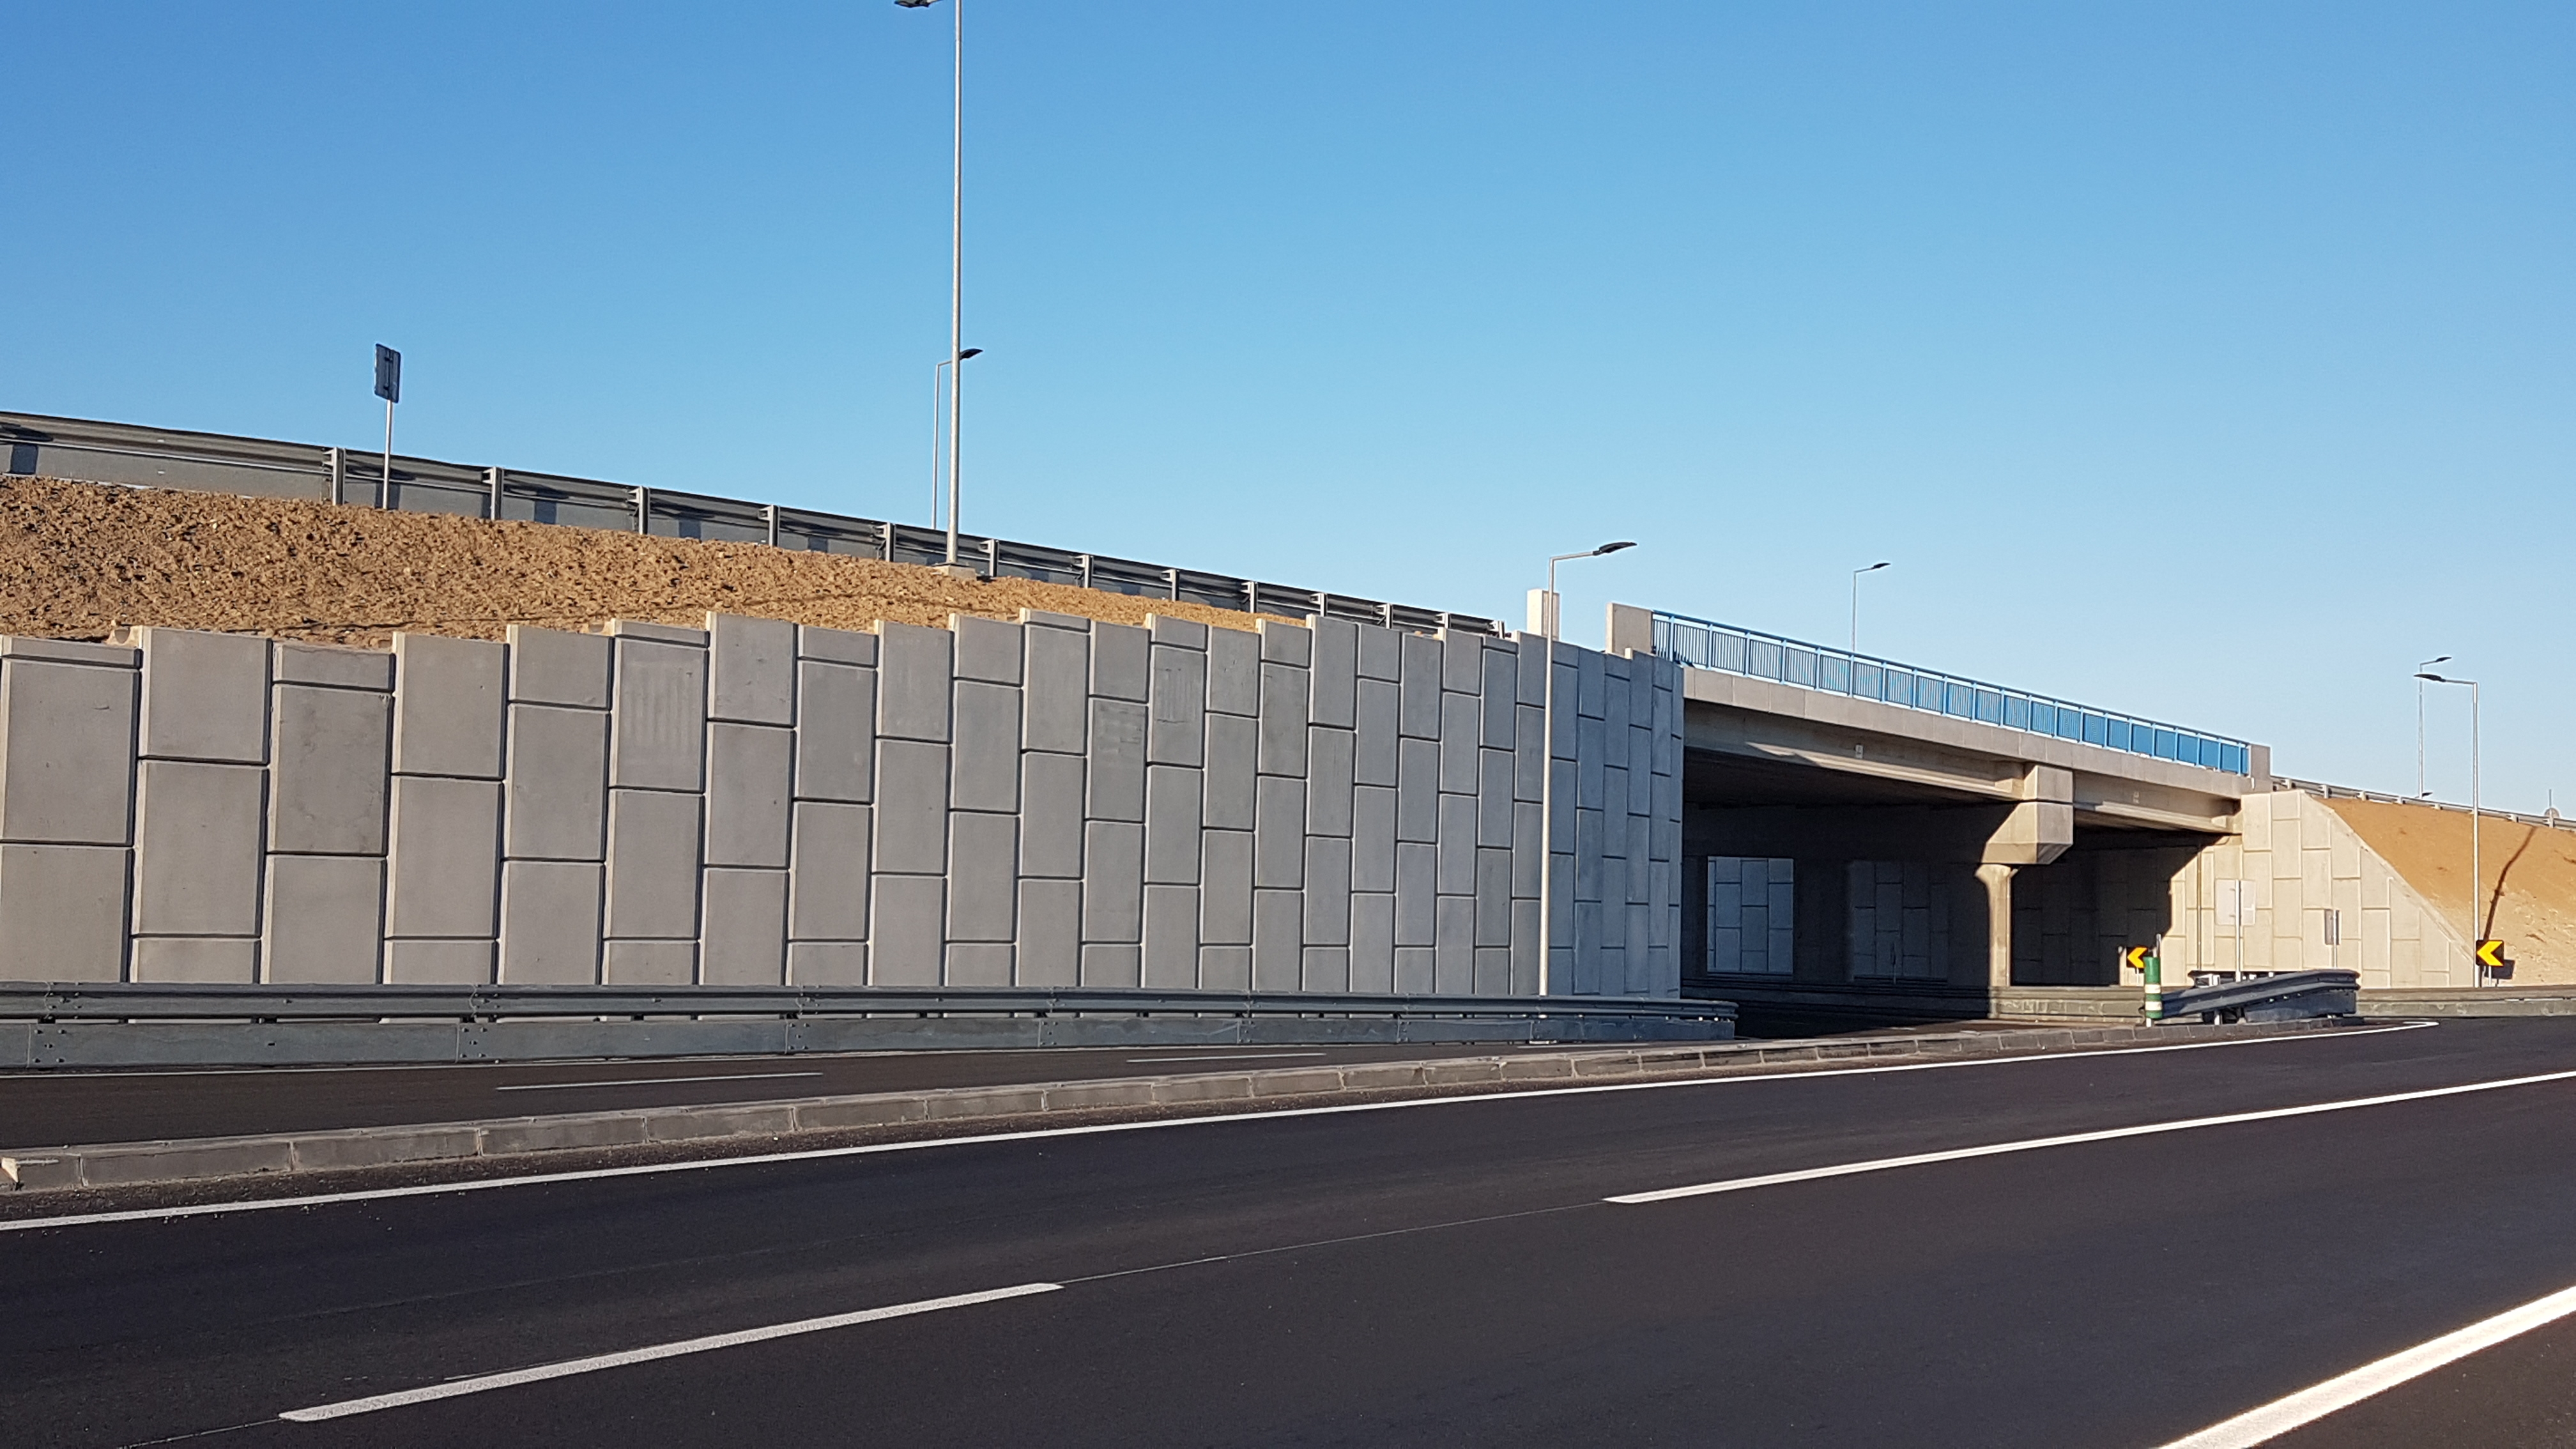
(1755, 655)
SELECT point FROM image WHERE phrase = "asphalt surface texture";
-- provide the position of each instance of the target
(1443, 1272)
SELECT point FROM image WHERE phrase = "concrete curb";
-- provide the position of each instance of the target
(127, 1164)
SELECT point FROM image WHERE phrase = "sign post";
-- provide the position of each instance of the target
(2144, 958)
(388, 387)
(2493, 964)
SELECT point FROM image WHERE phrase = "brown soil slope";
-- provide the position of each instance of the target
(2529, 871)
(78, 560)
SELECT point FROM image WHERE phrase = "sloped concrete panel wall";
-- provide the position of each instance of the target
(1047, 802)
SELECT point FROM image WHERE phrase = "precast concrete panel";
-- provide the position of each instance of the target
(62, 912)
(1590, 761)
(906, 925)
(836, 646)
(1617, 713)
(1328, 891)
(205, 696)
(1171, 956)
(332, 667)
(1525, 850)
(1289, 644)
(439, 963)
(1178, 734)
(1113, 882)
(1179, 633)
(1278, 950)
(1117, 776)
(325, 919)
(1234, 672)
(328, 756)
(1454, 969)
(197, 849)
(1493, 971)
(1328, 968)
(751, 669)
(1225, 877)
(1380, 653)
(1372, 839)
(657, 738)
(984, 770)
(836, 732)
(1417, 791)
(1590, 684)
(1457, 846)
(1415, 970)
(913, 686)
(1329, 783)
(449, 701)
(912, 809)
(1494, 798)
(1493, 898)
(979, 963)
(747, 792)
(446, 859)
(1569, 775)
(1417, 883)
(648, 963)
(1566, 737)
(828, 874)
(1418, 715)
(1049, 945)
(827, 963)
(1500, 698)
(1283, 719)
(1462, 661)
(1458, 752)
(745, 943)
(653, 865)
(556, 798)
(552, 666)
(550, 922)
(983, 886)
(66, 753)
(1051, 816)
(197, 960)
(1587, 855)
(1119, 666)
(1232, 751)
(1524, 948)
(1279, 834)
(1109, 965)
(1373, 738)
(1531, 659)
(1638, 858)
(988, 650)
(1225, 968)
(1614, 806)
(1172, 827)
(1058, 696)
(1373, 941)
(1333, 697)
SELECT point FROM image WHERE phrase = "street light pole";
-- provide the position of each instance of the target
(956, 261)
(2420, 789)
(1855, 612)
(938, 374)
(1547, 769)
(2477, 874)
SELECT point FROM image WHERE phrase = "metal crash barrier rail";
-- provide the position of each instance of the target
(2274, 996)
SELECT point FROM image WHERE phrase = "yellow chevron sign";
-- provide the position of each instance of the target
(2135, 957)
(2491, 955)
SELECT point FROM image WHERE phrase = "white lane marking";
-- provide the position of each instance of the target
(2259, 1426)
(1236, 1057)
(814, 1154)
(650, 1081)
(485, 1383)
(2034, 1144)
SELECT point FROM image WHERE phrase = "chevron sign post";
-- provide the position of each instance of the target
(2145, 960)
(2493, 963)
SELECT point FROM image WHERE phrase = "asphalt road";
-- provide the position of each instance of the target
(1435, 1273)
(55, 1109)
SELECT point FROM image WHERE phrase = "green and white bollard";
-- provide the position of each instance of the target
(2155, 970)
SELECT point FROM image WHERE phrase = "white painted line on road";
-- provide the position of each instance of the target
(2260, 1426)
(2072, 1139)
(1235, 1057)
(817, 1154)
(651, 1081)
(485, 1383)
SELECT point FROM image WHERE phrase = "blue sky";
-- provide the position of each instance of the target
(2207, 361)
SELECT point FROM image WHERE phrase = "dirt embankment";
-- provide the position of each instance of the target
(2528, 873)
(79, 560)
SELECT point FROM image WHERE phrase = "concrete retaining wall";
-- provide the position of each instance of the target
(1057, 801)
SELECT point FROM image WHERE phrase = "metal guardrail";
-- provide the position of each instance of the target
(33, 444)
(2276, 996)
(1756, 655)
(155, 1001)
(2552, 820)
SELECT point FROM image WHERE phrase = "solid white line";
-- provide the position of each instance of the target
(457, 1388)
(2034, 1144)
(814, 1154)
(2257, 1426)
(1235, 1057)
(651, 1081)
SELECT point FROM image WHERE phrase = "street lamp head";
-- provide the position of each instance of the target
(1614, 547)
(916, 4)
(971, 351)
(1874, 568)
(2437, 679)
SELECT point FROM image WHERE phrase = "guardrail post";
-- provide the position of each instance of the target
(339, 472)
(2155, 974)
(769, 515)
(643, 510)
(492, 493)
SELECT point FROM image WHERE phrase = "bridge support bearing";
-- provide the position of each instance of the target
(1998, 879)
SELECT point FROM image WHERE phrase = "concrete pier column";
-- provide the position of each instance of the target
(1997, 880)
